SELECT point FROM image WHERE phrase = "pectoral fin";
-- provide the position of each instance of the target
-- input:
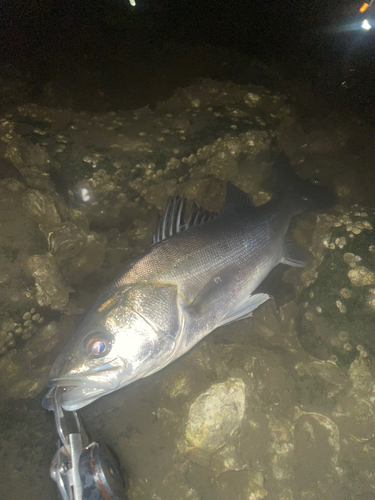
(244, 309)
(214, 292)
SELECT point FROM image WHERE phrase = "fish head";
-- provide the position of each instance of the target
(116, 345)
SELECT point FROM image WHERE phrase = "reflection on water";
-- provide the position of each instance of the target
(278, 405)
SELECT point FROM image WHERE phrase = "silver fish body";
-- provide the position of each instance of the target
(195, 278)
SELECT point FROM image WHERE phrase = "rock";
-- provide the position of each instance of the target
(215, 415)
(12, 185)
(254, 410)
(338, 308)
(252, 100)
(89, 259)
(316, 437)
(156, 194)
(23, 153)
(42, 207)
(51, 288)
(65, 241)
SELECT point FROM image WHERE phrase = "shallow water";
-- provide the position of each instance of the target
(80, 191)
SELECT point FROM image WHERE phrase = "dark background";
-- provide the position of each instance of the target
(114, 48)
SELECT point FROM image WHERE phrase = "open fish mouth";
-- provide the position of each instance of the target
(74, 397)
(77, 392)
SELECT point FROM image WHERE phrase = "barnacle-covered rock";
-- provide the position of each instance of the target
(361, 276)
(252, 100)
(31, 159)
(65, 241)
(22, 152)
(89, 259)
(19, 238)
(214, 416)
(156, 193)
(51, 288)
(79, 218)
(24, 372)
(337, 312)
(42, 207)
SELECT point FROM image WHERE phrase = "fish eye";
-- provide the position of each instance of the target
(98, 344)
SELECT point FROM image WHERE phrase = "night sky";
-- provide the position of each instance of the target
(49, 39)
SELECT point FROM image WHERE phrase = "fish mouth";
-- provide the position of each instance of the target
(79, 391)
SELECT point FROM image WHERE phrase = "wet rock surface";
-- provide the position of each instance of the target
(247, 414)
(214, 416)
(279, 405)
(337, 316)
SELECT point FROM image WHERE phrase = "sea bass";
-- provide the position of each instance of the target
(198, 275)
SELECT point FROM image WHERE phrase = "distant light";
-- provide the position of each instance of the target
(85, 195)
(364, 7)
(366, 25)
(132, 3)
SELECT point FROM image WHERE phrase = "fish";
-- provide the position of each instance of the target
(197, 276)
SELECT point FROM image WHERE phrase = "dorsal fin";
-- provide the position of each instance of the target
(236, 198)
(173, 220)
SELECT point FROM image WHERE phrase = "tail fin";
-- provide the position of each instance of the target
(304, 195)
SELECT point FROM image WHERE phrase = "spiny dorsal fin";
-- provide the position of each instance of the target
(173, 220)
(236, 198)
